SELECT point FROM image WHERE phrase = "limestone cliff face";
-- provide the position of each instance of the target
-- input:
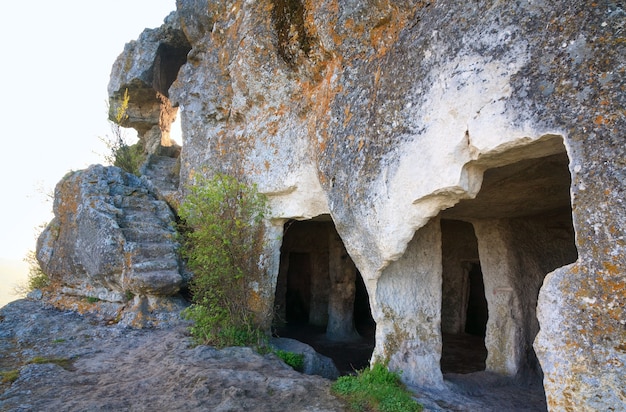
(395, 117)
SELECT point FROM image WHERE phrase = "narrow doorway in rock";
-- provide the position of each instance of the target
(320, 296)
(477, 313)
(298, 294)
(464, 311)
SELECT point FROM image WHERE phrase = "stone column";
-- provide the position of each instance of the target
(407, 310)
(505, 326)
(342, 274)
(516, 254)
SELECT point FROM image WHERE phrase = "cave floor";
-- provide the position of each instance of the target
(347, 356)
(469, 386)
(463, 353)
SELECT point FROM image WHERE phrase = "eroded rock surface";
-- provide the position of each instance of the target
(116, 368)
(146, 70)
(393, 116)
(111, 240)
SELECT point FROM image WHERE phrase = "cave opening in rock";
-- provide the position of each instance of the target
(464, 312)
(517, 229)
(320, 296)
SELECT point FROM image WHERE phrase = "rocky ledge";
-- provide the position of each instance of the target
(81, 363)
(66, 361)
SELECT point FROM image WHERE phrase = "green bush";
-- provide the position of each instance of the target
(222, 239)
(375, 389)
(295, 360)
(127, 157)
(37, 279)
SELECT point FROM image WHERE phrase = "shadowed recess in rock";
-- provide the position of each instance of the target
(320, 296)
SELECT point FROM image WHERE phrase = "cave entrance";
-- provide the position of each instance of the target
(517, 229)
(464, 311)
(320, 297)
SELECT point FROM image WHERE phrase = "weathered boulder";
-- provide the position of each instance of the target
(314, 363)
(110, 239)
(397, 119)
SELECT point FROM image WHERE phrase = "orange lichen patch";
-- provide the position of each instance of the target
(599, 120)
(347, 115)
(361, 143)
(273, 127)
(331, 9)
(319, 96)
(611, 268)
(386, 30)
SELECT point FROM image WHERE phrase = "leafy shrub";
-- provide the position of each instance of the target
(375, 389)
(295, 360)
(37, 279)
(222, 239)
(127, 157)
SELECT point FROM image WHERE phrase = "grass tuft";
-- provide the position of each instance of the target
(65, 363)
(377, 390)
(9, 376)
(295, 360)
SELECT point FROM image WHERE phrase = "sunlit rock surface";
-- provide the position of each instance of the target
(111, 241)
(397, 120)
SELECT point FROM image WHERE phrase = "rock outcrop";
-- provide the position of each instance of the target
(413, 125)
(147, 69)
(111, 241)
(83, 364)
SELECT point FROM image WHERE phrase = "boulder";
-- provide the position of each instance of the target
(111, 239)
(314, 363)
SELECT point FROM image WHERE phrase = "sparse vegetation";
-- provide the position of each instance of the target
(37, 279)
(121, 154)
(9, 376)
(222, 239)
(129, 295)
(65, 363)
(295, 360)
(377, 390)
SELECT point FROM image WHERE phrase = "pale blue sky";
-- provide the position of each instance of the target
(56, 61)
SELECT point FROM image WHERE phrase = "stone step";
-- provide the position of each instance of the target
(159, 265)
(147, 234)
(141, 226)
(162, 172)
(156, 282)
(135, 219)
(140, 258)
(153, 250)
